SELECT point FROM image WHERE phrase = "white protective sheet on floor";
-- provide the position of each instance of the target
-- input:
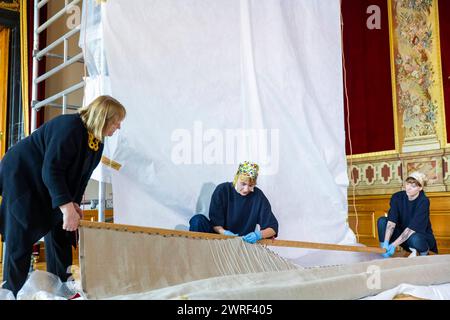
(45, 286)
(437, 292)
(427, 276)
(208, 84)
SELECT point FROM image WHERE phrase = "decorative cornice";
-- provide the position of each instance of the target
(378, 175)
(372, 155)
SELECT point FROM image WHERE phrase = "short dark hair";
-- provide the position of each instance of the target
(412, 180)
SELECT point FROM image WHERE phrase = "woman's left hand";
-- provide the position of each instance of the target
(252, 237)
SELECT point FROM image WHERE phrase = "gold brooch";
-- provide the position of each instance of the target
(93, 142)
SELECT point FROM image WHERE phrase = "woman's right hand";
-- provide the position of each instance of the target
(71, 217)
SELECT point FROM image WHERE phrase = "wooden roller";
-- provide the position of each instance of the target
(209, 236)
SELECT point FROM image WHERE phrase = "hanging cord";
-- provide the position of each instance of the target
(348, 127)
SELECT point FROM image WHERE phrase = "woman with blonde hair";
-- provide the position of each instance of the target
(42, 182)
(408, 222)
(238, 207)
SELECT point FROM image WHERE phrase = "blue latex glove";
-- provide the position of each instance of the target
(229, 233)
(384, 245)
(389, 251)
(252, 237)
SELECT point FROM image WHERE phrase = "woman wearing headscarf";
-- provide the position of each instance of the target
(238, 207)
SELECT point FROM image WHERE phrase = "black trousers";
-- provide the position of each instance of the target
(58, 252)
(200, 223)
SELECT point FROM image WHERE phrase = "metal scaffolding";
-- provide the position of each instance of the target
(66, 61)
(46, 52)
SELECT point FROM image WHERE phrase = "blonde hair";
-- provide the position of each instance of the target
(244, 178)
(100, 113)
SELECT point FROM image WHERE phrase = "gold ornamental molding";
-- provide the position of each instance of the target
(24, 65)
(12, 5)
(371, 155)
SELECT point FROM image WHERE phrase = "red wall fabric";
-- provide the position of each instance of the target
(444, 25)
(367, 64)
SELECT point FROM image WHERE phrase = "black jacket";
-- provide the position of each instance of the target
(49, 168)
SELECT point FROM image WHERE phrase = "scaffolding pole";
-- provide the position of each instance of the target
(34, 86)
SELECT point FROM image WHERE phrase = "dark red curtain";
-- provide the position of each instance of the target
(444, 24)
(368, 73)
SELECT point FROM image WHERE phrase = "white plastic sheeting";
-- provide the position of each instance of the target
(97, 83)
(346, 282)
(208, 84)
(437, 292)
(42, 285)
(6, 294)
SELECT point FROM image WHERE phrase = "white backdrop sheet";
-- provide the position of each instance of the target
(208, 84)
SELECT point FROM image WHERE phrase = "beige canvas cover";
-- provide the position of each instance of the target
(119, 261)
(126, 264)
